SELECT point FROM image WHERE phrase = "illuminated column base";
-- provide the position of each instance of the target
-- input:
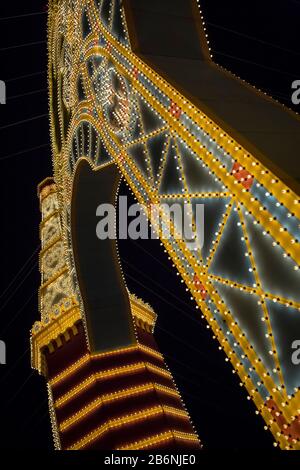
(123, 399)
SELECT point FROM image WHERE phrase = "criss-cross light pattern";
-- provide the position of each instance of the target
(109, 106)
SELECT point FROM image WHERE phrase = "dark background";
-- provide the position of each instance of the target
(259, 41)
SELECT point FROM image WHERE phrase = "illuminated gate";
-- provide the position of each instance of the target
(182, 129)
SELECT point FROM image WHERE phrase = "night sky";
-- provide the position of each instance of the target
(258, 41)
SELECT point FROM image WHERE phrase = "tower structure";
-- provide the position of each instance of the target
(151, 105)
(121, 398)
